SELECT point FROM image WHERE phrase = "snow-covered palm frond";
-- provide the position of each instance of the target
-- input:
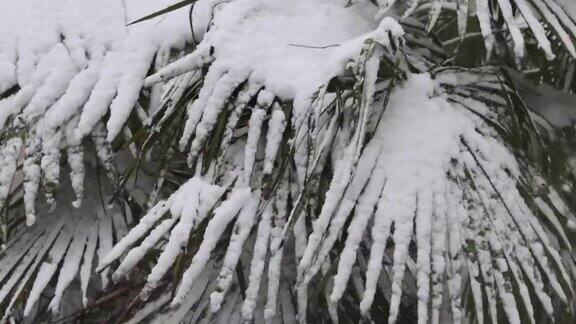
(61, 76)
(542, 17)
(60, 72)
(376, 163)
(61, 245)
(335, 163)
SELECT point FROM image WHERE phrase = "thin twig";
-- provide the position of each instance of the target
(314, 47)
(96, 303)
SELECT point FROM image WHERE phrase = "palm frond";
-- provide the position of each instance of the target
(362, 177)
(60, 246)
(459, 202)
(542, 17)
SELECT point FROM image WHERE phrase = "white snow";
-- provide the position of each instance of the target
(254, 130)
(305, 44)
(146, 222)
(241, 230)
(70, 266)
(86, 267)
(59, 40)
(276, 127)
(214, 105)
(425, 158)
(136, 254)
(48, 268)
(276, 251)
(9, 155)
(483, 14)
(258, 263)
(216, 226)
(178, 236)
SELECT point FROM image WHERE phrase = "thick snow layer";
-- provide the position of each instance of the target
(63, 66)
(111, 60)
(289, 56)
(290, 47)
(400, 177)
(71, 75)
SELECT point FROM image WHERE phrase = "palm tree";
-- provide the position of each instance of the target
(289, 161)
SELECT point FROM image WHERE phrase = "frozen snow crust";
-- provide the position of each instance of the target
(292, 47)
